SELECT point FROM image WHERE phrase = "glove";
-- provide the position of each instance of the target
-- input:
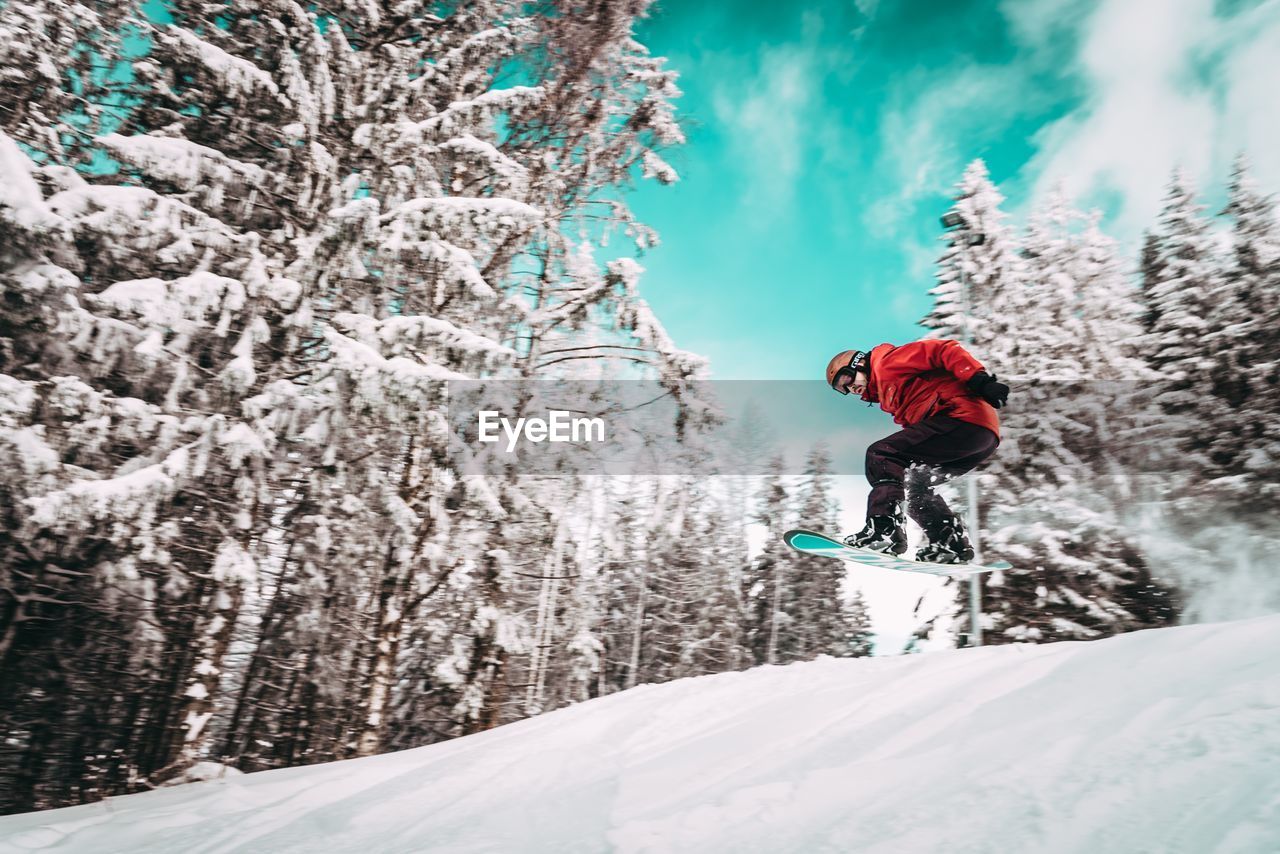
(987, 387)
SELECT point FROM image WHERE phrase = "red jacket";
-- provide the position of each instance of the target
(925, 378)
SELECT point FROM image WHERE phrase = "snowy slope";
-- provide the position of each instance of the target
(1157, 741)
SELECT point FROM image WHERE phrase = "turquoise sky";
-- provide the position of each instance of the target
(824, 138)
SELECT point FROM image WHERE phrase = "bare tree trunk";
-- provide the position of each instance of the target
(637, 630)
(202, 685)
(544, 628)
(772, 654)
(387, 626)
(496, 696)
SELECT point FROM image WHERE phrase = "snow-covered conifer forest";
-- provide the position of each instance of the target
(244, 249)
(1139, 479)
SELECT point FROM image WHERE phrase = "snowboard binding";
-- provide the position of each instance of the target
(947, 543)
(881, 534)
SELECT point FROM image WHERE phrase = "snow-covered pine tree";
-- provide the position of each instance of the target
(492, 194)
(1185, 272)
(1040, 302)
(156, 502)
(978, 273)
(573, 649)
(635, 507)
(1045, 504)
(719, 640)
(59, 62)
(859, 639)
(1182, 271)
(795, 607)
(563, 593)
(312, 226)
(1108, 307)
(655, 579)
(817, 624)
(282, 111)
(1095, 580)
(604, 114)
(712, 637)
(1212, 485)
(1237, 422)
(59, 629)
(1096, 422)
(766, 582)
(1109, 429)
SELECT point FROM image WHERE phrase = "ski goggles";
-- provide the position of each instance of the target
(857, 362)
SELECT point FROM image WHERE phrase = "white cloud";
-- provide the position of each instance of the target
(937, 125)
(1167, 84)
(766, 115)
(867, 11)
(1041, 23)
(1251, 101)
(867, 8)
(777, 117)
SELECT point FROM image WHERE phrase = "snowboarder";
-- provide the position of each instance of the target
(945, 401)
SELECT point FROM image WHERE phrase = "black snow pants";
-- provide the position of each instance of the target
(911, 462)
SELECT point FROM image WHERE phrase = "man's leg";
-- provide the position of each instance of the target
(945, 444)
(925, 506)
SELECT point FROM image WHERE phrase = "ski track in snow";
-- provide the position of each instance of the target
(1160, 741)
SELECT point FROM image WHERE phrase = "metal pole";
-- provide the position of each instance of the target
(975, 589)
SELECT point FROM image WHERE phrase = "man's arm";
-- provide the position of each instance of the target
(934, 353)
(948, 355)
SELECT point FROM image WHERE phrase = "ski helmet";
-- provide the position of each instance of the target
(846, 364)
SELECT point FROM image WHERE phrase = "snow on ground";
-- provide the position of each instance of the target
(1159, 741)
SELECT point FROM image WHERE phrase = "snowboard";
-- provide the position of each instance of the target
(810, 542)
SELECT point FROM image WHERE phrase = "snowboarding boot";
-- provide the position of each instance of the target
(947, 543)
(882, 534)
